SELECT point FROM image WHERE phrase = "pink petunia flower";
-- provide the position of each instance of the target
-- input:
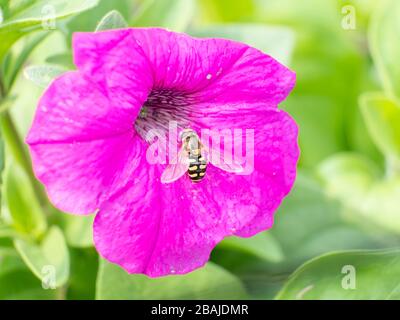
(88, 143)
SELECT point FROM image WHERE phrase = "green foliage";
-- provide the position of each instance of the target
(357, 183)
(209, 282)
(2, 161)
(34, 16)
(43, 75)
(88, 21)
(275, 41)
(62, 59)
(18, 283)
(15, 65)
(309, 223)
(173, 14)
(27, 215)
(382, 116)
(384, 44)
(82, 283)
(263, 246)
(78, 230)
(348, 188)
(51, 252)
(375, 277)
(112, 20)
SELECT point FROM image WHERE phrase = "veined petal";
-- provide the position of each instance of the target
(79, 176)
(115, 61)
(86, 148)
(82, 138)
(75, 109)
(276, 152)
(214, 69)
(127, 225)
(161, 229)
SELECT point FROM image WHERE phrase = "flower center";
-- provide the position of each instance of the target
(162, 107)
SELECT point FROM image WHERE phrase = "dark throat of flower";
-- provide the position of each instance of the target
(163, 107)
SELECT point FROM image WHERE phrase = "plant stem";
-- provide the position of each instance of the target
(18, 150)
(61, 293)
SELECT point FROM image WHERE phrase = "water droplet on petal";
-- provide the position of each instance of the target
(172, 271)
(209, 76)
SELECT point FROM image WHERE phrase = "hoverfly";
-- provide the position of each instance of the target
(193, 159)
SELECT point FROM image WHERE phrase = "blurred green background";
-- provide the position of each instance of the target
(335, 236)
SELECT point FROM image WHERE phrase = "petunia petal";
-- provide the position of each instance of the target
(214, 68)
(161, 229)
(78, 176)
(115, 61)
(87, 154)
(82, 139)
(75, 109)
(275, 150)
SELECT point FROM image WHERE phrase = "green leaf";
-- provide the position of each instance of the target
(112, 20)
(7, 231)
(64, 59)
(51, 253)
(376, 276)
(349, 175)
(16, 65)
(82, 283)
(78, 230)
(277, 42)
(324, 100)
(2, 161)
(1, 15)
(26, 213)
(227, 10)
(385, 45)
(43, 75)
(173, 14)
(262, 245)
(356, 182)
(209, 282)
(7, 103)
(36, 16)
(18, 283)
(88, 21)
(382, 117)
(309, 223)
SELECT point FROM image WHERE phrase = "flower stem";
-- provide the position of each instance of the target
(17, 148)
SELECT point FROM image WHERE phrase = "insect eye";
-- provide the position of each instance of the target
(186, 134)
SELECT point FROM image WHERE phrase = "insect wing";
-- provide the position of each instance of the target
(216, 158)
(177, 168)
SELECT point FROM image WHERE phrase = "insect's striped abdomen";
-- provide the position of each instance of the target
(197, 167)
